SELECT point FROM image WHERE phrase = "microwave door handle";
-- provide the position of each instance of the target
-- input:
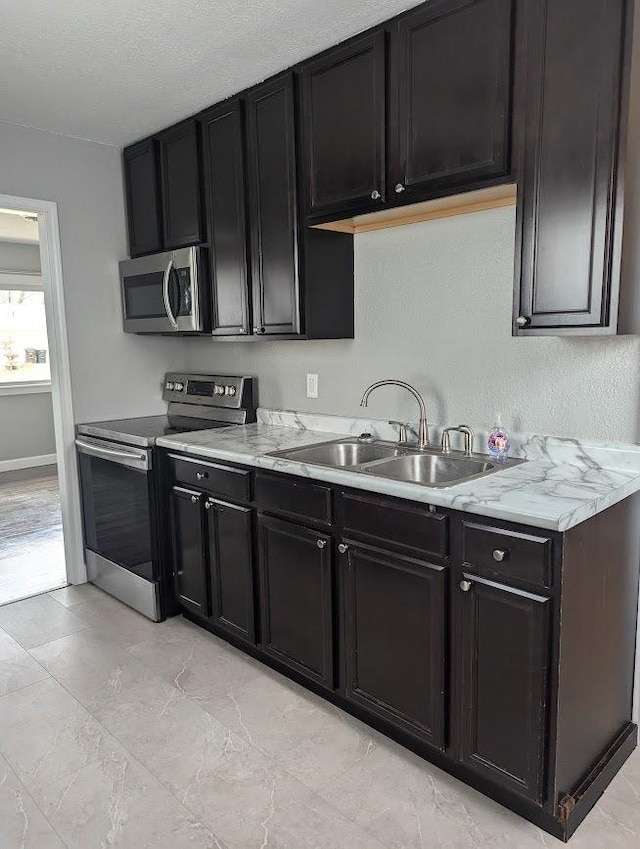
(165, 294)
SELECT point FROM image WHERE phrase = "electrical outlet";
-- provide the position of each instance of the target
(312, 386)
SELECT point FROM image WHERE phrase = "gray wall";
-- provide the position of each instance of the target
(112, 373)
(26, 421)
(433, 306)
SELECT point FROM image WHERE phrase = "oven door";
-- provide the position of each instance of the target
(116, 493)
(164, 293)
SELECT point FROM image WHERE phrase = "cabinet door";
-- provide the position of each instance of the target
(343, 103)
(503, 659)
(231, 568)
(189, 558)
(181, 196)
(452, 86)
(570, 193)
(273, 207)
(394, 633)
(296, 598)
(141, 185)
(223, 157)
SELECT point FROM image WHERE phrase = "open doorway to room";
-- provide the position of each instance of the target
(32, 556)
(39, 529)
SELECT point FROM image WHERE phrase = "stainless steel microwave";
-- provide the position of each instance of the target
(166, 293)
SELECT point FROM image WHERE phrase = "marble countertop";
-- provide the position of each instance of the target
(563, 483)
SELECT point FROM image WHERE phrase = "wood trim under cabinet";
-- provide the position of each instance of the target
(494, 197)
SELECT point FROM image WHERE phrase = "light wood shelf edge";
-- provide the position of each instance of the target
(478, 201)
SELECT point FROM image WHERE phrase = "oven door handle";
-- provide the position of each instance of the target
(165, 294)
(135, 460)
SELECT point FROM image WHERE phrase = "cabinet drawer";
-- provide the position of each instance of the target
(412, 528)
(212, 477)
(509, 554)
(290, 497)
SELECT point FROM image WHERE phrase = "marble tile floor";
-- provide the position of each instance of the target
(117, 732)
(31, 544)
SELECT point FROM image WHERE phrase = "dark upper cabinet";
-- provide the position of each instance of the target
(395, 639)
(343, 124)
(229, 538)
(183, 222)
(142, 196)
(189, 559)
(577, 56)
(273, 198)
(225, 199)
(296, 598)
(503, 660)
(450, 96)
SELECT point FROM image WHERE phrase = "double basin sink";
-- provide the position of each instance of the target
(428, 467)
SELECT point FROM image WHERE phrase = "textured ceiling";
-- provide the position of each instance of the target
(115, 70)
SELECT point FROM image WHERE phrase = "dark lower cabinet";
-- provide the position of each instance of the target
(142, 195)
(224, 171)
(182, 219)
(451, 96)
(189, 558)
(569, 224)
(394, 639)
(229, 538)
(503, 658)
(296, 598)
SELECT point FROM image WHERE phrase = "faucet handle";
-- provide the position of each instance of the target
(469, 436)
(403, 432)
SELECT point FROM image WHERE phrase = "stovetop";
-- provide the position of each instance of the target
(145, 430)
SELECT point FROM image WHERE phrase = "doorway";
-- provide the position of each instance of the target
(40, 537)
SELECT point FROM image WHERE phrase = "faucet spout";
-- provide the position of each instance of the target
(423, 430)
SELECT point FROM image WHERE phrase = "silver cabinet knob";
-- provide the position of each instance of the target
(202, 475)
(523, 321)
(500, 554)
(208, 505)
(242, 330)
(342, 548)
(194, 499)
(465, 586)
(375, 195)
(321, 543)
(399, 188)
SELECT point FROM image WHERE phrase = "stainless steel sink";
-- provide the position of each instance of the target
(432, 469)
(428, 467)
(343, 454)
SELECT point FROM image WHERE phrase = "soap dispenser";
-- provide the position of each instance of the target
(498, 441)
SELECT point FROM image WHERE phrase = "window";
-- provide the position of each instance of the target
(24, 350)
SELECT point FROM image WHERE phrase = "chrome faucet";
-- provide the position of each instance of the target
(468, 438)
(423, 430)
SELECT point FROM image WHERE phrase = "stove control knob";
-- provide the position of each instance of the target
(178, 386)
(217, 389)
(232, 390)
(169, 386)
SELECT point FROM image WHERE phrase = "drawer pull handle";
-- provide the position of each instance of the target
(202, 475)
(342, 548)
(321, 543)
(500, 554)
(465, 586)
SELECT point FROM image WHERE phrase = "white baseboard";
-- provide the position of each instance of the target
(27, 462)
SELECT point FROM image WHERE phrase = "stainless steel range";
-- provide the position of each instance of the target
(120, 489)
